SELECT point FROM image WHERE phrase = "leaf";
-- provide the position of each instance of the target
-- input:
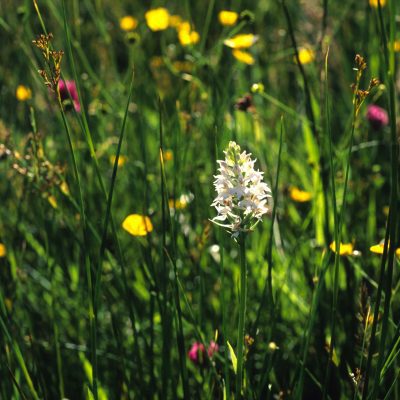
(233, 356)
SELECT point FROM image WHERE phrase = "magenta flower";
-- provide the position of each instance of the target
(212, 349)
(198, 355)
(68, 91)
(377, 116)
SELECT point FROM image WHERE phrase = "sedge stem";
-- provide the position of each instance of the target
(242, 314)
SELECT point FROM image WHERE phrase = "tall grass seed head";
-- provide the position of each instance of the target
(242, 196)
(51, 71)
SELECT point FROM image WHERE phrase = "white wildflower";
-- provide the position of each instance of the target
(242, 196)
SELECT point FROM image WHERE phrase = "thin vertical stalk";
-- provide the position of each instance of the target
(224, 316)
(92, 319)
(179, 334)
(393, 222)
(268, 284)
(109, 199)
(313, 122)
(206, 28)
(242, 314)
(338, 234)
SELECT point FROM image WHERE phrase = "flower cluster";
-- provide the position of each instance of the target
(240, 42)
(377, 117)
(198, 353)
(242, 196)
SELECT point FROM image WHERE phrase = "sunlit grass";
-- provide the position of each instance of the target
(115, 283)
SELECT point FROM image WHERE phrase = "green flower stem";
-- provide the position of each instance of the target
(242, 314)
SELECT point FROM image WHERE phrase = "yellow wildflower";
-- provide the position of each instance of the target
(176, 205)
(181, 202)
(306, 56)
(121, 160)
(243, 56)
(228, 18)
(168, 155)
(23, 93)
(345, 249)
(128, 23)
(186, 35)
(3, 250)
(378, 249)
(184, 26)
(298, 195)
(64, 188)
(137, 225)
(157, 19)
(272, 346)
(374, 3)
(187, 38)
(242, 41)
(397, 46)
(175, 21)
(52, 200)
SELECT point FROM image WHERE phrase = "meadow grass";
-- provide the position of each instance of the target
(115, 283)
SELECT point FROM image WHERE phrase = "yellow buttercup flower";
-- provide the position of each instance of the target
(64, 188)
(175, 21)
(378, 249)
(242, 41)
(397, 46)
(23, 93)
(128, 23)
(374, 3)
(298, 195)
(121, 160)
(181, 202)
(157, 19)
(186, 35)
(243, 56)
(3, 250)
(52, 200)
(168, 155)
(177, 204)
(345, 249)
(228, 18)
(137, 225)
(306, 56)
(183, 26)
(187, 38)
